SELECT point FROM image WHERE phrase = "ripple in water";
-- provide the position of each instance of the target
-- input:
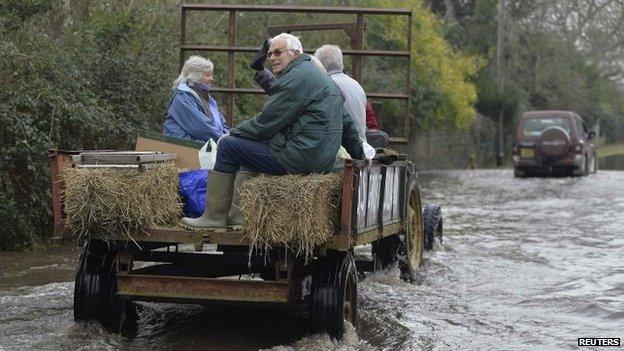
(526, 264)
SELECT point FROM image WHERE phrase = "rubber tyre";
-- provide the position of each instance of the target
(432, 217)
(334, 295)
(581, 171)
(95, 291)
(519, 173)
(118, 314)
(88, 281)
(386, 251)
(81, 313)
(413, 239)
(553, 142)
(594, 168)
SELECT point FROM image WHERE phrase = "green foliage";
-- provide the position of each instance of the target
(548, 64)
(441, 89)
(555, 75)
(15, 12)
(93, 92)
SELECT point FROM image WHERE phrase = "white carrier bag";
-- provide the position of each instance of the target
(208, 155)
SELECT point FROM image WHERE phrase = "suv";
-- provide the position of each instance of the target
(553, 143)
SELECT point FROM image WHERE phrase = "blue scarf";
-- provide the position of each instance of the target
(203, 90)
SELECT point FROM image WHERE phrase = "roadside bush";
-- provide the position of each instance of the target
(92, 89)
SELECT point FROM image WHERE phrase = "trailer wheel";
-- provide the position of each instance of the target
(334, 295)
(432, 216)
(81, 312)
(88, 280)
(386, 251)
(95, 291)
(410, 253)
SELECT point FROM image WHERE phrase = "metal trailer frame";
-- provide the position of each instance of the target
(376, 207)
(355, 31)
(380, 205)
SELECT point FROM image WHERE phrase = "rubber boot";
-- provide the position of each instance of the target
(218, 200)
(235, 217)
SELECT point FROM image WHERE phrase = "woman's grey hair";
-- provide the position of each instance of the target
(318, 64)
(193, 69)
(292, 42)
(330, 56)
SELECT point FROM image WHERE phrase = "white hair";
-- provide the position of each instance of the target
(193, 69)
(318, 64)
(292, 42)
(330, 56)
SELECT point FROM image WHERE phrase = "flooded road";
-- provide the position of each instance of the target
(526, 264)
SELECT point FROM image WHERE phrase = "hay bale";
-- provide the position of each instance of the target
(295, 211)
(114, 202)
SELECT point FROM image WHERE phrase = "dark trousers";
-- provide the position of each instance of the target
(234, 153)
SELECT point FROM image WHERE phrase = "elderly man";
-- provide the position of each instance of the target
(354, 95)
(297, 132)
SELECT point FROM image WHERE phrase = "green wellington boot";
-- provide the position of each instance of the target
(218, 200)
(235, 217)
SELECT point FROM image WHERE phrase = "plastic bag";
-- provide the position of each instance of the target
(208, 155)
(340, 157)
(192, 185)
(369, 151)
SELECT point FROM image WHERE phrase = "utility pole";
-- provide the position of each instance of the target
(501, 83)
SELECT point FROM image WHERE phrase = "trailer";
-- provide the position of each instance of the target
(380, 206)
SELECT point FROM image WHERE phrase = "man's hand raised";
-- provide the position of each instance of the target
(258, 61)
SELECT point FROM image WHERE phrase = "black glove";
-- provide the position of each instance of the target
(258, 61)
(386, 155)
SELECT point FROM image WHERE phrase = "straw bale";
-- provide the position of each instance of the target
(119, 202)
(295, 211)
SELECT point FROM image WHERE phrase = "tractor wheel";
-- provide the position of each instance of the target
(432, 216)
(334, 295)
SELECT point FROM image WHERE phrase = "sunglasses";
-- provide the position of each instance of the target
(276, 52)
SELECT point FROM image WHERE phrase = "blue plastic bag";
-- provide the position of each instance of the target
(192, 186)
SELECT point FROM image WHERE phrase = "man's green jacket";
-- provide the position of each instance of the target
(304, 121)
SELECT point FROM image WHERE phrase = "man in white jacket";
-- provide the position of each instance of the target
(355, 97)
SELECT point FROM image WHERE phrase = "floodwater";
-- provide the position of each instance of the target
(526, 264)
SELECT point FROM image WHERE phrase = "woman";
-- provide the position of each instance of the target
(193, 114)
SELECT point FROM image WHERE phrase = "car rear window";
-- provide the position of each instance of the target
(535, 126)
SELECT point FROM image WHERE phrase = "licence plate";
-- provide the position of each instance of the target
(526, 152)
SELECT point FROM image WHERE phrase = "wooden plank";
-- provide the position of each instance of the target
(374, 190)
(186, 155)
(396, 191)
(362, 199)
(372, 234)
(388, 194)
(193, 144)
